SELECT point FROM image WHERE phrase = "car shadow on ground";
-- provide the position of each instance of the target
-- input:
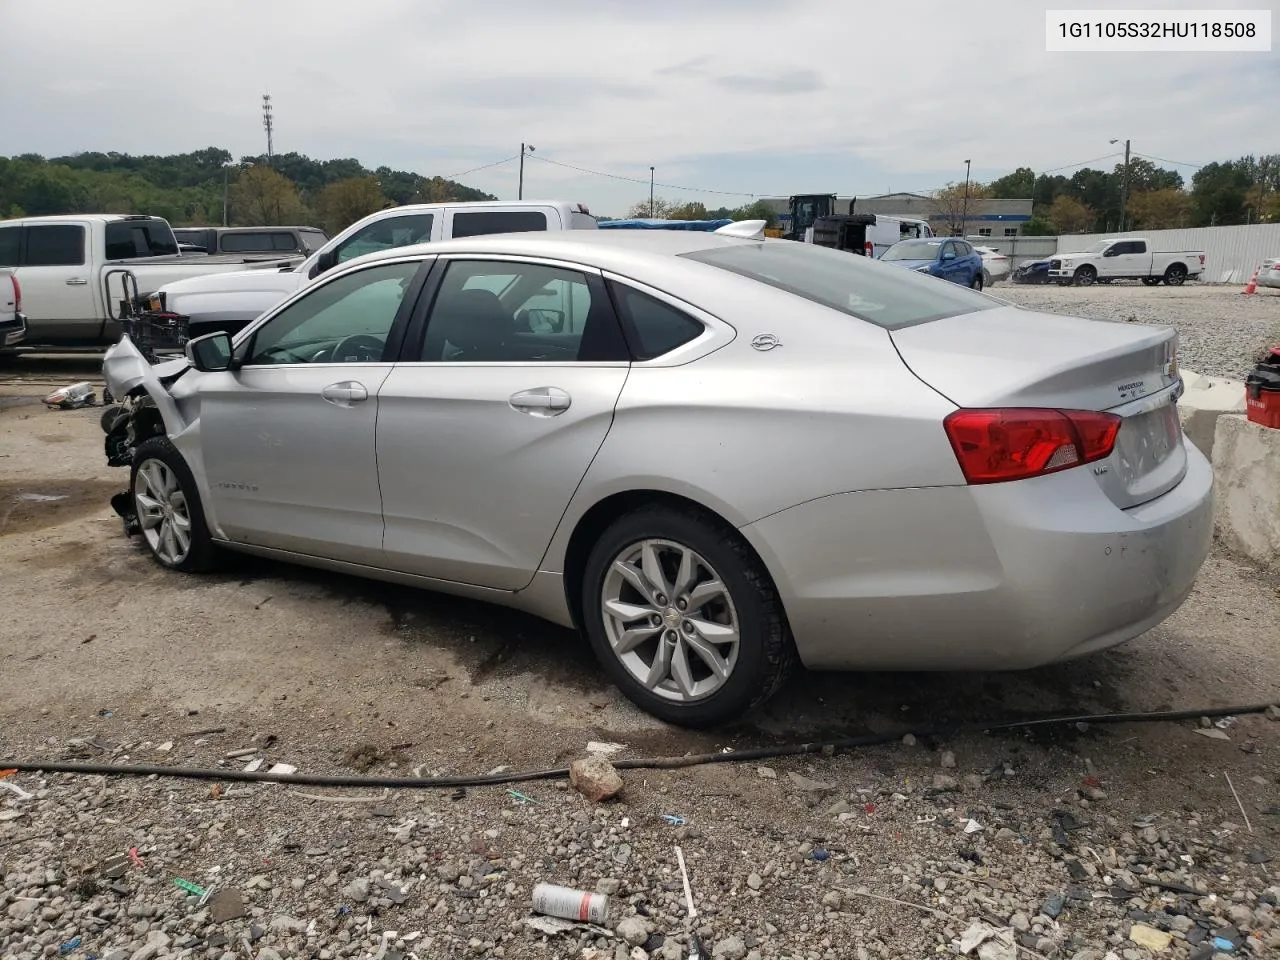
(492, 643)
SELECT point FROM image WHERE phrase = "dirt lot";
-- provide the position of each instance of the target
(105, 656)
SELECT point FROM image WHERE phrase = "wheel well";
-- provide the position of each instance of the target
(146, 417)
(1176, 268)
(596, 520)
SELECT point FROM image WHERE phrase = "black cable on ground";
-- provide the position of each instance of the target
(647, 763)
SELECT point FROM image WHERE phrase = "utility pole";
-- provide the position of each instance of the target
(226, 188)
(650, 193)
(1124, 184)
(964, 217)
(268, 124)
(520, 189)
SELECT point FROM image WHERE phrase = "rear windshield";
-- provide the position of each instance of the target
(889, 297)
(913, 250)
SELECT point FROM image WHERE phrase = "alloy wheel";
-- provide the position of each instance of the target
(163, 513)
(670, 620)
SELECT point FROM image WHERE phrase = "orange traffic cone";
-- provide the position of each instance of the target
(1252, 285)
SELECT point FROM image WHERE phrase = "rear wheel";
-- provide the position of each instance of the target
(986, 277)
(1085, 276)
(977, 281)
(684, 617)
(167, 505)
(1175, 275)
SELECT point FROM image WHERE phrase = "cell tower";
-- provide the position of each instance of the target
(267, 123)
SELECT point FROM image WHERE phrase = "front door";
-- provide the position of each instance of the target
(288, 438)
(489, 423)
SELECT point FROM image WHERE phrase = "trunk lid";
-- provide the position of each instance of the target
(1010, 357)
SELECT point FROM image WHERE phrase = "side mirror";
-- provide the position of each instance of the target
(211, 352)
(948, 256)
(326, 261)
(1111, 252)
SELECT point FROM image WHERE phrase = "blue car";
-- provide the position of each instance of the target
(945, 257)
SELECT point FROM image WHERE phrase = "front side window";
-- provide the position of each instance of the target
(387, 234)
(484, 222)
(345, 321)
(55, 245)
(502, 312)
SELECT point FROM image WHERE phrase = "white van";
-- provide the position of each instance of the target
(869, 234)
(229, 301)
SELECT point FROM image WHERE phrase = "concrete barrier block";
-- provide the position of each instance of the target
(1246, 467)
(1203, 402)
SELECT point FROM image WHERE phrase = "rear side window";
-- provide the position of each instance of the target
(55, 245)
(10, 245)
(480, 223)
(653, 327)
(128, 239)
(881, 293)
(257, 242)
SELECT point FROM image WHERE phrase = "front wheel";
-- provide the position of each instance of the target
(684, 617)
(1085, 276)
(1175, 275)
(977, 283)
(167, 505)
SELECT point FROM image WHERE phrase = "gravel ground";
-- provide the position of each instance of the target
(1219, 330)
(1081, 838)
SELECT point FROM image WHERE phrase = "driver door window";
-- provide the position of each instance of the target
(386, 234)
(345, 321)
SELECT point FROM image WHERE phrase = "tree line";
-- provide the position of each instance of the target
(1246, 190)
(190, 189)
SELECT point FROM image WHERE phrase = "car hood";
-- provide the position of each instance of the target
(910, 264)
(237, 281)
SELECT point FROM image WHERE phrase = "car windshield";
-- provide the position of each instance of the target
(913, 250)
(889, 297)
(1098, 247)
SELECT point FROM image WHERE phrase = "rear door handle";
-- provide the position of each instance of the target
(77, 282)
(541, 401)
(345, 393)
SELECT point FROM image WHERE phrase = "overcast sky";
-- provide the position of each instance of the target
(766, 97)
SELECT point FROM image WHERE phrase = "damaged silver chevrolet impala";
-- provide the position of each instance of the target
(714, 454)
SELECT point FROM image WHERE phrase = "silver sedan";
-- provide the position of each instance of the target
(715, 455)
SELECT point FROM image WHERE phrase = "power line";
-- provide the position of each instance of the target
(1146, 156)
(1068, 166)
(618, 176)
(483, 166)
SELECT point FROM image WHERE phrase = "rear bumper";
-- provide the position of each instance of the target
(1003, 576)
(1269, 279)
(13, 332)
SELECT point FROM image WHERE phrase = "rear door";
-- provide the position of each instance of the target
(59, 293)
(503, 395)
(462, 222)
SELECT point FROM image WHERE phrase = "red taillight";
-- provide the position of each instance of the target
(17, 293)
(1015, 443)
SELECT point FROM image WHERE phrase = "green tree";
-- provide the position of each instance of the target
(1070, 215)
(1162, 209)
(262, 197)
(1019, 185)
(1039, 226)
(1219, 192)
(953, 201)
(343, 202)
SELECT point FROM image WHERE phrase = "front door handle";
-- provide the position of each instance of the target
(541, 401)
(77, 282)
(345, 393)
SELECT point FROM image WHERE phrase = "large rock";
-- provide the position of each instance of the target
(595, 778)
(1205, 400)
(1246, 467)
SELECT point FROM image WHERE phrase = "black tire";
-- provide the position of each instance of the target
(109, 416)
(1084, 276)
(202, 554)
(986, 277)
(766, 652)
(977, 282)
(1152, 281)
(106, 395)
(1176, 275)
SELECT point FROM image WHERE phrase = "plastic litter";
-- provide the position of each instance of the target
(673, 820)
(188, 886)
(69, 946)
(16, 790)
(521, 797)
(41, 497)
(820, 855)
(137, 860)
(1223, 945)
(72, 397)
(972, 826)
(569, 904)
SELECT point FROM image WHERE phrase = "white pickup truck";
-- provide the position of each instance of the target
(75, 270)
(1126, 258)
(229, 301)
